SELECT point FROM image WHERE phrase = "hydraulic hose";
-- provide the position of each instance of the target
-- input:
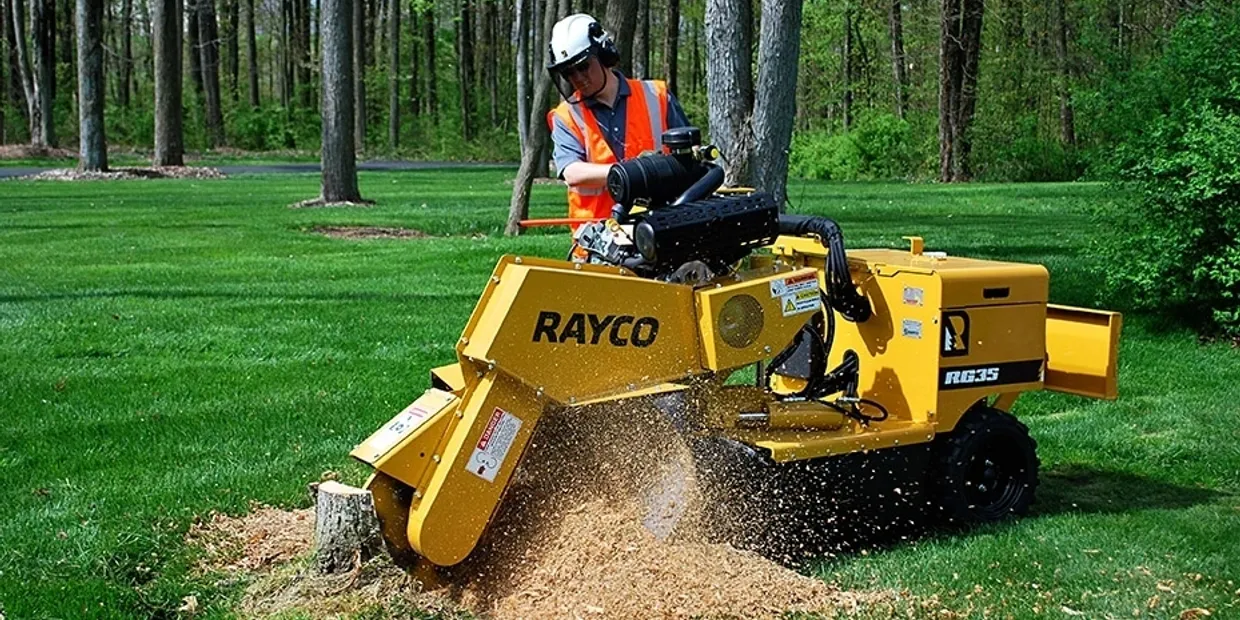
(841, 294)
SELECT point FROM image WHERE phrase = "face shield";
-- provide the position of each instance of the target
(569, 76)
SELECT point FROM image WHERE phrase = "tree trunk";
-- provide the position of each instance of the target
(393, 74)
(305, 74)
(429, 57)
(959, 52)
(93, 144)
(37, 84)
(415, 64)
(251, 48)
(493, 60)
(166, 47)
(465, 77)
(194, 47)
(641, 41)
(126, 52)
(519, 207)
(45, 67)
(233, 9)
(346, 528)
(523, 71)
(971, 44)
(209, 36)
(846, 61)
(338, 159)
(621, 22)
(4, 67)
(1067, 126)
(775, 109)
(671, 44)
(358, 73)
(899, 63)
(13, 86)
(729, 85)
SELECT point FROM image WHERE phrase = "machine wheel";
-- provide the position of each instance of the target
(987, 468)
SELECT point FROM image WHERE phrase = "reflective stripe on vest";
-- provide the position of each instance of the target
(643, 132)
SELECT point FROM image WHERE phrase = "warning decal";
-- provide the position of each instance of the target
(803, 301)
(493, 445)
(397, 429)
(794, 284)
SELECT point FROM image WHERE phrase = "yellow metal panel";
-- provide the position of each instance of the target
(472, 468)
(775, 325)
(898, 346)
(1082, 348)
(578, 334)
(451, 375)
(402, 448)
(787, 446)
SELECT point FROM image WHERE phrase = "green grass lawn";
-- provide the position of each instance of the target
(176, 347)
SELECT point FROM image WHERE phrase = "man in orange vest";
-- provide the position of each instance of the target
(605, 117)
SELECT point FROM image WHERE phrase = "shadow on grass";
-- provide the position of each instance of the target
(1076, 488)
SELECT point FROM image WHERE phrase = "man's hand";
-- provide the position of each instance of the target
(586, 174)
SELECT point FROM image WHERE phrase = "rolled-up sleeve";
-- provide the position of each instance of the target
(675, 114)
(567, 148)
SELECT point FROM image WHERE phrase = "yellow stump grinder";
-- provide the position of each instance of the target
(688, 284)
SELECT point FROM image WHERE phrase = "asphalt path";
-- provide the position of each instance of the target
(300, 168)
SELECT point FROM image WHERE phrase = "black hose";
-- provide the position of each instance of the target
(841, 293)
(704, 186)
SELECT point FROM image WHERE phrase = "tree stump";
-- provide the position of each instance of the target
(346, 528)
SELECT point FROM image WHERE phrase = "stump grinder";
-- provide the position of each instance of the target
(689, 286)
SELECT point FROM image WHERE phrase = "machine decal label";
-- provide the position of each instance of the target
(406, 422)
(794, 284)
(985, 375)
(911, 329)
(493, 445)
(621, 331)
(955, 333)
(914, 296)
(803, 301)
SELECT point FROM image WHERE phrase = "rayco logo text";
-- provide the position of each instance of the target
(620, 331)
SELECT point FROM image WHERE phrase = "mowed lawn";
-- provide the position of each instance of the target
(170, 348)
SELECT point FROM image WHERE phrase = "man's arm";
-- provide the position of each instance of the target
(570, 158)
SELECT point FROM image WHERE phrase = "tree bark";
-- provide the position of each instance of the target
(37, 84)
(194, 47)
(729, 85)
(13, 86)
(358, 74)
(671, 44)
(775, 109)
(621, 22)
(432, 67)
(305, 74)
(519, 207)
(641, 41)
(209, 37)
(394, 73)
(523, 71)
(251, 49)
(166, 46)
(1067, 125)
(233, 46)
(465, 77)
(4, 67)
(93, 144)
(45, 67)
(126, 52)
(493, 60)
(346, 528)
(959, 53)
(415, 63)
(338, 158)
(899, 62)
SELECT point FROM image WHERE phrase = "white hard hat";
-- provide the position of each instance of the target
(577, 36)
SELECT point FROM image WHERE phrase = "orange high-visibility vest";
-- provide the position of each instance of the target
(645, 122)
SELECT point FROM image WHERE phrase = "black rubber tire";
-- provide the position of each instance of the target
(986, 469)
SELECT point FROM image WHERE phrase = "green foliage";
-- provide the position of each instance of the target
(1014, 151)
(1178, 250)
(881, 146)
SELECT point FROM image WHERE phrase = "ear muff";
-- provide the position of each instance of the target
(604, 48)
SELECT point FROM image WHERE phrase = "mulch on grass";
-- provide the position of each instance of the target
(369, 232)
(128, 174)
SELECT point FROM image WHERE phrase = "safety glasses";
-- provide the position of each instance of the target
(579, 67)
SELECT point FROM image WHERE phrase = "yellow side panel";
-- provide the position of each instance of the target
(474, 464)
(402, 448)
(582, 334)
(774, 308)
(1082, 349)
(898, 345)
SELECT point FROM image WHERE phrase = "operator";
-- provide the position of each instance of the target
(605, 118)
